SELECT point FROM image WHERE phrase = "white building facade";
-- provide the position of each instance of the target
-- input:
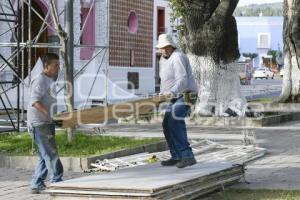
(111, 37)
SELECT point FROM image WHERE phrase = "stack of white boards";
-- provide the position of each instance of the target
(205, 151)
(151, 181)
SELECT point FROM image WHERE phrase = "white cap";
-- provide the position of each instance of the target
(165, 40)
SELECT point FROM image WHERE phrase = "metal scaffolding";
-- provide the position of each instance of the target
(20, 62)
(10, 116)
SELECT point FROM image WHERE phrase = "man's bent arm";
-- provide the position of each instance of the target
(40, 107)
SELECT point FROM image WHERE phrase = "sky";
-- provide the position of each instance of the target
(247, 2)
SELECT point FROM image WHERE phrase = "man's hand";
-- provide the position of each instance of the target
(58, 122)
(169, 95)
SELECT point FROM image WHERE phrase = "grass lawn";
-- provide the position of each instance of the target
(243, 194)
(262, 100)
(19, 144)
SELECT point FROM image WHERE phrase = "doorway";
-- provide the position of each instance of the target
(36, 24)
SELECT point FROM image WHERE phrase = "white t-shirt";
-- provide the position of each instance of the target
(176, 74)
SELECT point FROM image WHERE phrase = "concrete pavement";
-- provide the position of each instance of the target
(279, 169)
(262, 89)
(15, 184)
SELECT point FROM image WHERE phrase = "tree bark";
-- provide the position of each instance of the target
(291, 29)
(210, 39)
(69, 59)
(219, 87)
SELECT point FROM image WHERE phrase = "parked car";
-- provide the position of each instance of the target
(263, 73)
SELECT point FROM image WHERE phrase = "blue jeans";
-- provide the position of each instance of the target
(44, 137)
(175, 130)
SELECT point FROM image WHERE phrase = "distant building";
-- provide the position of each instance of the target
(258, 35)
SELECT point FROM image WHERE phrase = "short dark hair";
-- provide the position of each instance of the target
(48, 57)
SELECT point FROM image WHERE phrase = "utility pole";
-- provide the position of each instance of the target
(69, 61)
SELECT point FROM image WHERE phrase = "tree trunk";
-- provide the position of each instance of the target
(69, 62)
(291, 29)
(209, 37)
(219, 87)
(68, 89)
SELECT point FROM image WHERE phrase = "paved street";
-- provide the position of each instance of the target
(262, 88)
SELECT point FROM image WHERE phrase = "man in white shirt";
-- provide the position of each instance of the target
(177, 81)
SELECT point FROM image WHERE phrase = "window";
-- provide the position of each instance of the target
(133, 80)
(132, 22)
(160, 21)
(157, 78)
(88, 33)
(131, 57)
(264, 41)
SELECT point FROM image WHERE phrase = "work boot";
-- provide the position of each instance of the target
(38, 190)
(186, 162)
(169, 162)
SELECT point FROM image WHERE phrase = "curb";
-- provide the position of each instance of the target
(230, 121)
(265, 95)
(78, 164)
(245, 121)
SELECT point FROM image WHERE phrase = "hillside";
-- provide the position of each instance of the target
(270, 9)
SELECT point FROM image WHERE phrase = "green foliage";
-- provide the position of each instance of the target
(238, 194)
(178, 9)
(250, 55)
(82, 145)
(272, 53)
(19, 144)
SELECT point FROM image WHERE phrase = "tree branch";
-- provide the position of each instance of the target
(225, 8)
